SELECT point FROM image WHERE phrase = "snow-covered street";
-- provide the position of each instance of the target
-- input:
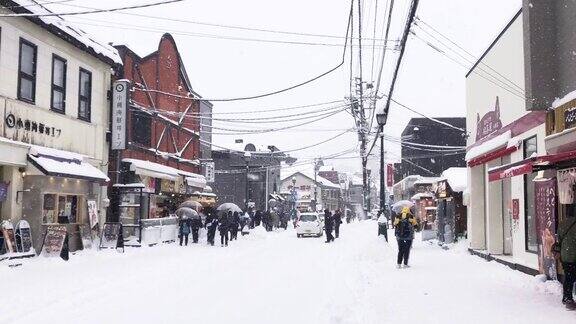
(277, 278)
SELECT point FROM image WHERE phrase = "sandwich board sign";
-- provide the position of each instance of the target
(23, 237)
(8, 234)
(111, 237)
(55, 242)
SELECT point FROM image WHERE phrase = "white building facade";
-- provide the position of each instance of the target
(501, 211)
(327, 193)
(54, 117)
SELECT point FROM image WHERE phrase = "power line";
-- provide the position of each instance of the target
(467, 52)
(427, 117)
(403, 42)
(92, 11)
(116, 25)
(201, 23)
(502, 86)
(273, 92)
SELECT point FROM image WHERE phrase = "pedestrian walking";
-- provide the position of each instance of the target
(567, 247)
(234, 226)
(195, 225)
(246, 223)
(404, 229)
(337, 221)
(184, 227)
(267, 221)
(257, 218)
(223, 228)
(383, 225)
(211, 226)
(328, 225)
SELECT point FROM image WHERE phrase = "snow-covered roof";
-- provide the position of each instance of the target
(65, 30)
(564, 100)
(421, 195)
(64, 164)
(325, 168)
(319, 179)
(457, 178)
(426, 180)
(489, 146)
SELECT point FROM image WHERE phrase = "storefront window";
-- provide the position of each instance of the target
(530, 148)
(62, 209)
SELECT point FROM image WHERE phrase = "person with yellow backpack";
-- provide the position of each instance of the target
(404, 225)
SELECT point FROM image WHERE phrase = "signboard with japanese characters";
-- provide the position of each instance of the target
(489, 123)
(545, 205)
(209, 167)
(119, 113)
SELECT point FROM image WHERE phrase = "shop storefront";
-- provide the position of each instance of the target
(149, 198)
(451, 215)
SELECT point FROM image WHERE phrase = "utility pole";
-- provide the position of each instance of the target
(316, 168)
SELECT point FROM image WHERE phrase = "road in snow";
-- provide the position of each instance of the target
(277, 278)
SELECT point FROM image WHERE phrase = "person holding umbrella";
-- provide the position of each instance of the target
(234, 225)
(211, 226)
(404, 225)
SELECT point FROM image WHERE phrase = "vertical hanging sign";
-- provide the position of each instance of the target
(390, 175)
(120, 90)
(209, 167)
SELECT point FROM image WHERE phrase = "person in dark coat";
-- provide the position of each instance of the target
(267, 221)
(195, 225)
(337, 221)
(223, 227)
(211, 226)
(184, 227)
(328, 225)
(234, 226)
(257, 218)
(567, 239)
(404, 225)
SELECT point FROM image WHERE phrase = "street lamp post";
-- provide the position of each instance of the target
(247, 157)
(381, 119)
(294, 195)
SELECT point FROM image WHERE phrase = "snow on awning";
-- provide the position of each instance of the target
(421, 195)
(528, 165)
(196, 180)
(492, 149)
(151, 169)
(64, 164)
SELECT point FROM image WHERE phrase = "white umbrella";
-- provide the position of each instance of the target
(225, 207)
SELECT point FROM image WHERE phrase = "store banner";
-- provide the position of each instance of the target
(545, 204)
(92, 213)
(566, 182)
(390, 175)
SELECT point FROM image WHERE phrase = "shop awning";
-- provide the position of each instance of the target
(529, 165)
(492, 149)
(151, 169)
(196, 180)
(64, 164)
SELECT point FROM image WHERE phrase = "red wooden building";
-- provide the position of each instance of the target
(163, 138)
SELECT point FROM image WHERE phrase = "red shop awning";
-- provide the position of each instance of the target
(529, 165)
(485, 158)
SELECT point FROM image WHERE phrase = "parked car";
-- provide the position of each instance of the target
(309, 224)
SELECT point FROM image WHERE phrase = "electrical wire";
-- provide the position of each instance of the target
(502, 84)
(200, 23)
(92, 11)
(133, 27)
(476, 59)
(273, 92)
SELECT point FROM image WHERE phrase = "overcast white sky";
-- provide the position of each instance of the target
(222, 68)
